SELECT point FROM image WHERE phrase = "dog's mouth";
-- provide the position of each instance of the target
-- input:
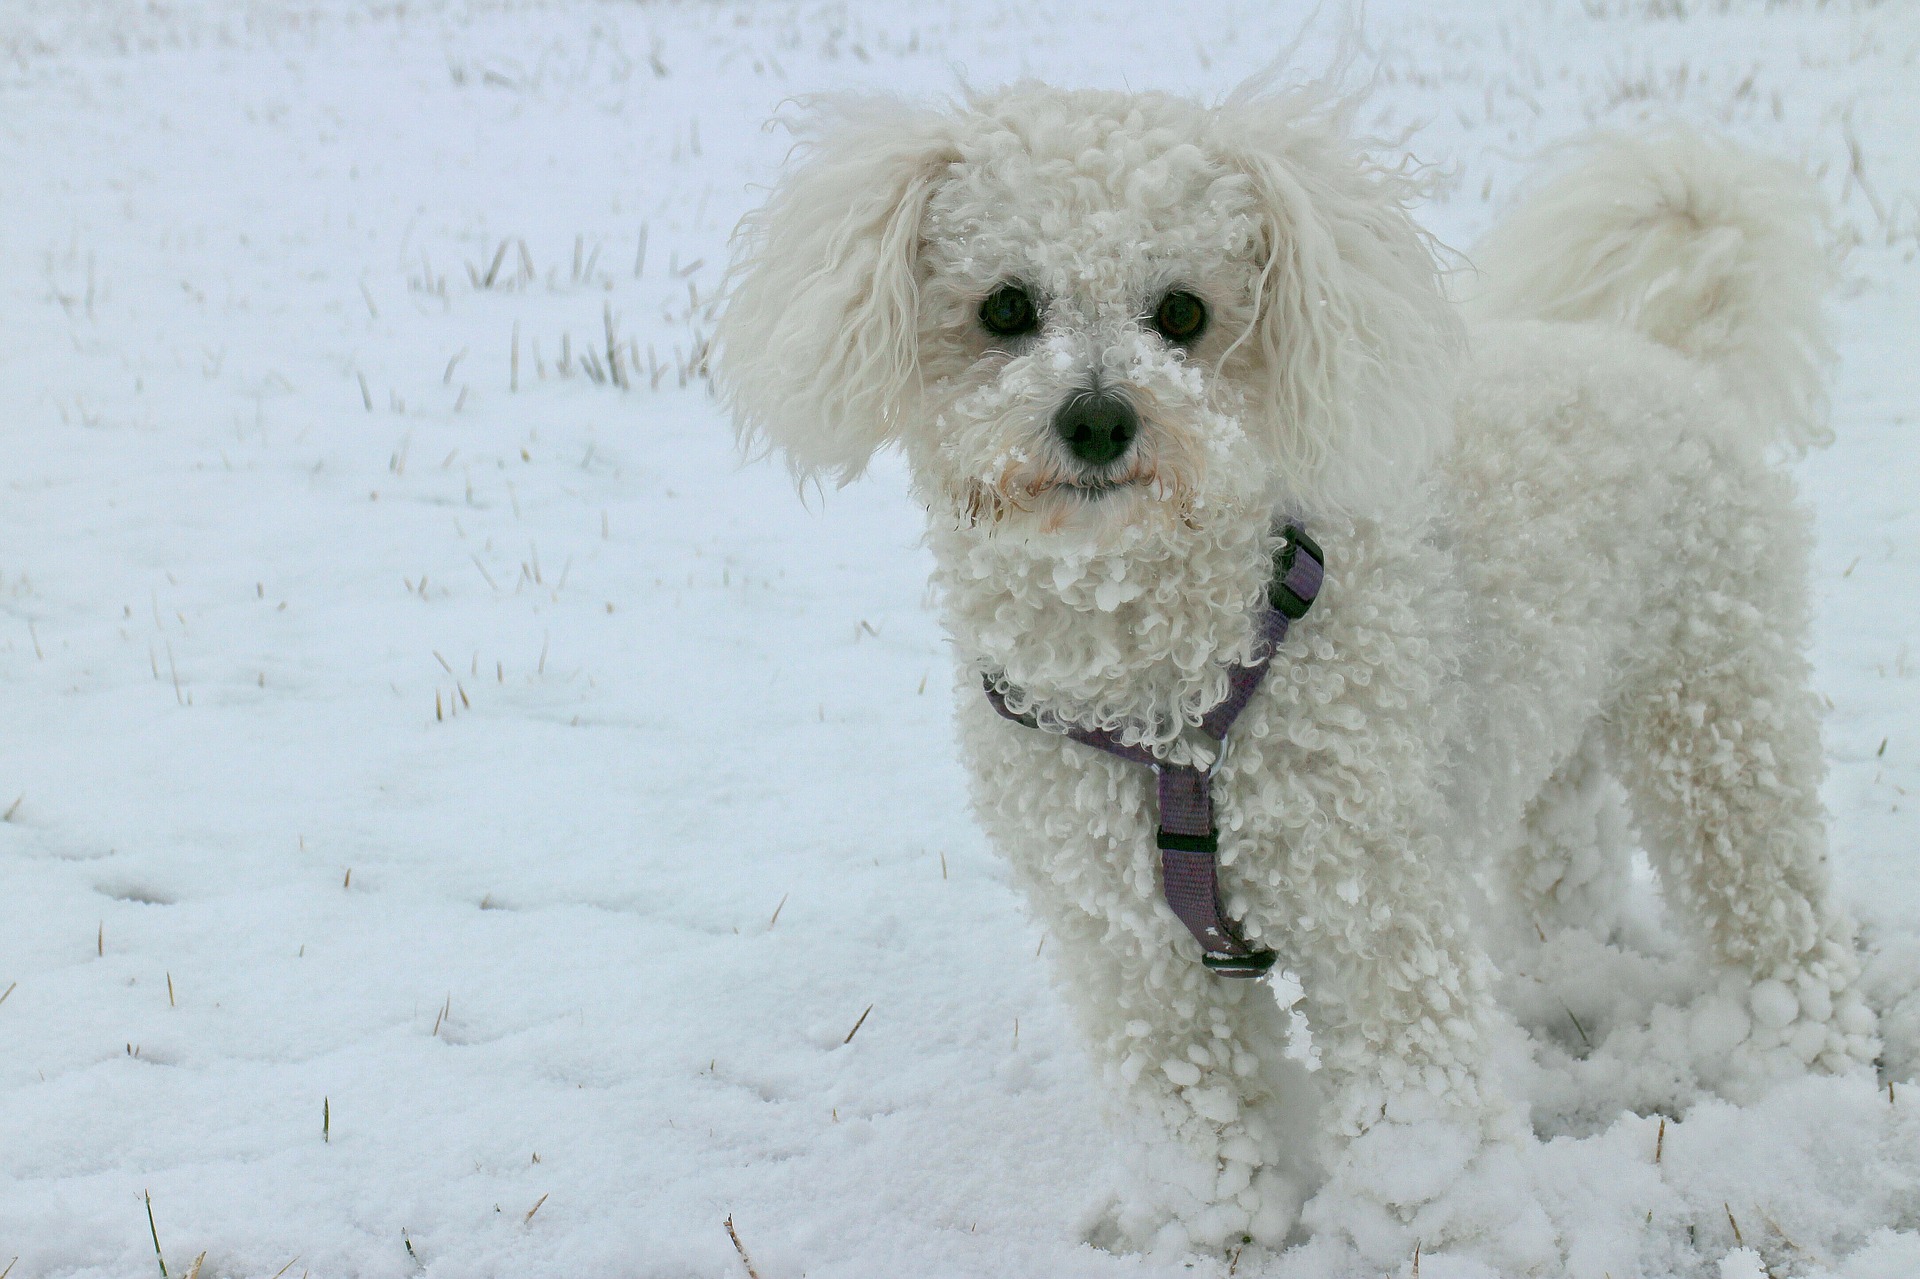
(1135, 471)
(1053, 497)
(1095, 487)
(1158, 477)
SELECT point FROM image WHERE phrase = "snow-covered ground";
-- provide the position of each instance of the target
(455, 815)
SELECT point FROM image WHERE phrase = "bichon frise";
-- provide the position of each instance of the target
(1154, 365)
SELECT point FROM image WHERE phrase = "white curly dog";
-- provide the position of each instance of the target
(1125, 341)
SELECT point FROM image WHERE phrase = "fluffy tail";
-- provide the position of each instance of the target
(1693, 242)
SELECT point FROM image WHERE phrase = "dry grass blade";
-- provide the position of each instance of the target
(614, 371)
(741, 1248)
(1857, 170)
(1788, 1240)
(155, 1232)
(1577, 1026)
(856, 1026)
(499, 256)
(536, 1208)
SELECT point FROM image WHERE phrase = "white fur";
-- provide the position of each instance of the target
(1691, 241)
(1572, 563)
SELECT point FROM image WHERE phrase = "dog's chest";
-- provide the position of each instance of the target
(1357, 700)
(1137, 638)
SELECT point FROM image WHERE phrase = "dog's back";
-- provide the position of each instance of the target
(1598, 479)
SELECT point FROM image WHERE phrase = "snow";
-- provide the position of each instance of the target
(411, 768)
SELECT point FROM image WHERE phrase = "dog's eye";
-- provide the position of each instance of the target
(1009, 312)
(1182, 317)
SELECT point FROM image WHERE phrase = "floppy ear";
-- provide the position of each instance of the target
(818, 345)
(1354, 344)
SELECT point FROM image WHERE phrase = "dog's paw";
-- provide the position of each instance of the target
(1177, 1203)
(1736, 1040)
(1803, 1023)
(1806, 1016)
(1441, 1186)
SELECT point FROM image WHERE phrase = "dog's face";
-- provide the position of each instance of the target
(1086, 268)
(1082, 311)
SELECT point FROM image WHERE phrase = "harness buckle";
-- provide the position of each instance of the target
(1293, 594)
(1256, 963)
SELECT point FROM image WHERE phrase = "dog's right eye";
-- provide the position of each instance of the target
(1009, 312)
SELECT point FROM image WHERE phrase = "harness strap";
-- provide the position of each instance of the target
(1189, 843)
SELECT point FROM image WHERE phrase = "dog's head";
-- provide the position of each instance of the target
(1078, 310)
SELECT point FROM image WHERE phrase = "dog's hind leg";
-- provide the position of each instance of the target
(1574, 861)
(1719, 745)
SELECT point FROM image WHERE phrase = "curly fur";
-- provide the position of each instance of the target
(1555, 555)
(1694, 243)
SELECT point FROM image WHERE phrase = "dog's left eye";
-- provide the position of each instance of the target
(1182, 317)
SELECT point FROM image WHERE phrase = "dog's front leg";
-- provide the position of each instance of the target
(1423, 1148)
(1192, 1061)
(1195, 1063)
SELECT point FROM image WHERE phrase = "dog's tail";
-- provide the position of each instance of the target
(1692, 241)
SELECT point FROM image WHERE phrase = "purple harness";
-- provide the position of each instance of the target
(1189, 845)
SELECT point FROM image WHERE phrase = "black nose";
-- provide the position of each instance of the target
(1097, 426)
